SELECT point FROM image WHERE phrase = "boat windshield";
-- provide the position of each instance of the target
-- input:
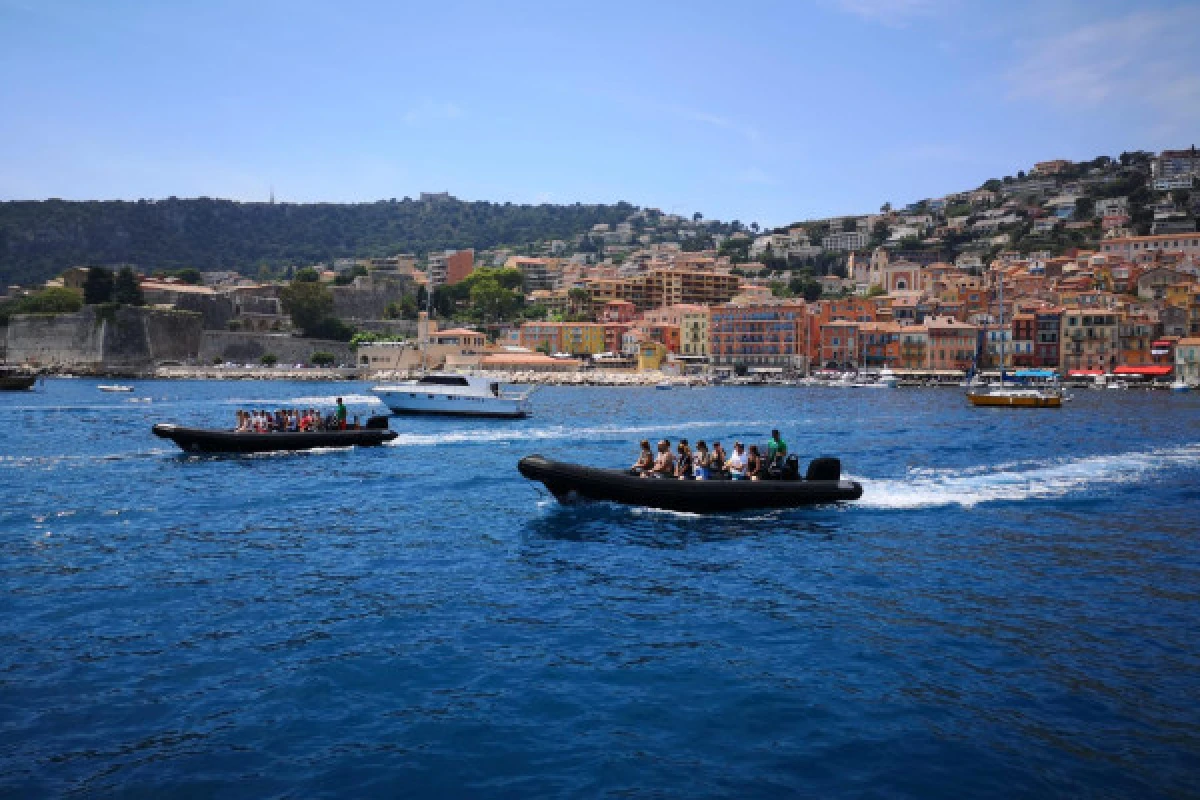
(444, 380)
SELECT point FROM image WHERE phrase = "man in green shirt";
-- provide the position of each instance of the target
(776, 450)
(341, 415)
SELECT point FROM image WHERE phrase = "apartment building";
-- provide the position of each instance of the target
(1090, 339)
(1176, 163)
(575, 338)
(758, 335)
(666, 287)
(846, 240)
(1130, 247)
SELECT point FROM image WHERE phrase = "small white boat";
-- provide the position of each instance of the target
(1180, 386)
(114, 387)
(456, 395)
(664, 386)
(888, 379)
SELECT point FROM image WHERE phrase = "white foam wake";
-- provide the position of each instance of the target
(1037, 480)
(519, 433)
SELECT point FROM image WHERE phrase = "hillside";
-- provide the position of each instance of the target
(38, 240)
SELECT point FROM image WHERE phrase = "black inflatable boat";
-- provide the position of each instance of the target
(568, 482)
(201, 440)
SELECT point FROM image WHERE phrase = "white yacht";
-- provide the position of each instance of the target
(460, 395)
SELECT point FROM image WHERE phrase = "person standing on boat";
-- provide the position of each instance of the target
(684, 461)
(776, 451)
(341, 415)
(717, 461)
(737, 462)
(701, 461)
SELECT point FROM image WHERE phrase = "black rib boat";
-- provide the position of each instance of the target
(201, 440)
(568, 482)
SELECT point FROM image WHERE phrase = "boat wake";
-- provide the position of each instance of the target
(1032, 481)
(519, 433)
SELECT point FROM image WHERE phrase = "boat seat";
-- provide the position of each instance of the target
(824, 469)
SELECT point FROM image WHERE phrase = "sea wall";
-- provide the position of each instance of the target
(103, 337)
(249, 348)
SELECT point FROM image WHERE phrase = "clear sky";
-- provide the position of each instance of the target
(759, 111)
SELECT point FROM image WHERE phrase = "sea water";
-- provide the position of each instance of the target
(1012, 609)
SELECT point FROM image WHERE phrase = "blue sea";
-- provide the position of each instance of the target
(1011, 610)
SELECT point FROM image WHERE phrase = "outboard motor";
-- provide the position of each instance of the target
(824, 469)
(791, 469)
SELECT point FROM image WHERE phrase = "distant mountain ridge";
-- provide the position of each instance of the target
(39, 239)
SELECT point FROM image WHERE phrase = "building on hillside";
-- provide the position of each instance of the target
(666, 287)
(1130, 247)
(1053, 167)
(838, 343)
(573, 338)
(879, 344)
(1090, 339)
(1176, 163)
(845, 240)
(1046, 345)
(1187, 361)
(765, 336)
(621, 311)
(538, 273)
(694, 331)
(914, 347)
(951, 343)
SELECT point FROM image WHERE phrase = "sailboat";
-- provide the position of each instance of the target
(1013, 395)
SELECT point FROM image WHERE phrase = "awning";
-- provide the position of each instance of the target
(1149, 370)
(1084, 373)
(1036, 373)
(765, 370)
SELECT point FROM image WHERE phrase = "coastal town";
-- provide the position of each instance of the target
(1080, 270)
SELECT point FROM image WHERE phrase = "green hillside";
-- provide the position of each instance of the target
(40, 239)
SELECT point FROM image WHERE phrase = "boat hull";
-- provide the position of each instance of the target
(200, 440)
(436, 404)
(1008, 401)
(17, 383)
(568, 482)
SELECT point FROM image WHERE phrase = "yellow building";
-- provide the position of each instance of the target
(651, 355)
(576, 338)
(693, 331)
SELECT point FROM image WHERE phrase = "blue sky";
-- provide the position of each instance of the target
(763, 111)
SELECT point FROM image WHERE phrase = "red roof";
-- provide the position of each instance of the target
(1079, 373)
(1149, 370)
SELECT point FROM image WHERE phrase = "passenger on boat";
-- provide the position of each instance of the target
(776, 451)
(755, 465)
(684, 461)
(645, 459)
(701, 462)
(737, 462)
(341, 415)
(664, 464)
(717, 461)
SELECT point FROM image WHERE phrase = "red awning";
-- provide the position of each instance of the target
(1083, 373)
(1149, 370)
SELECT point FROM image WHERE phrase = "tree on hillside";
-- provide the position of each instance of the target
(189, 275)
(98, 286)
(126, 289)
(55, 300)
(308, 303)
(491, 302)
(886, 208)
(307, 275)
(1084, 208)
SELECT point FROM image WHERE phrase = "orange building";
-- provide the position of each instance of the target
(767, 334)
(951, 343)
(459, 266)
